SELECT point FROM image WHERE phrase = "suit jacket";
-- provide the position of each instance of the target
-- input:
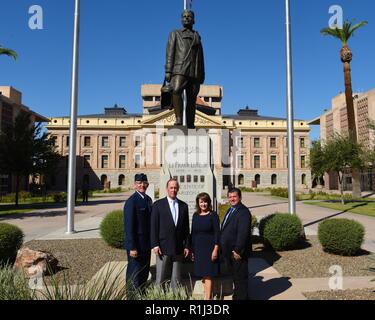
(236, 233)
(137, 222)
(171, 239)
(183, 59)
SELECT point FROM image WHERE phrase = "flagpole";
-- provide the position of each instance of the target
(291, 162)
(185, 4)
(73, 124)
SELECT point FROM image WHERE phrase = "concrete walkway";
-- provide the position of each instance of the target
(262, 205)
(48, 224)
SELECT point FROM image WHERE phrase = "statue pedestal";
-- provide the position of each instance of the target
(188, 157)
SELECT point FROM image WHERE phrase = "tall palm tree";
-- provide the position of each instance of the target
(346, 54)
(8, 52)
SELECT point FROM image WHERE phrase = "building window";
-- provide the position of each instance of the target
(148, 99)
(104, 180)
(273, 143)
(137, 161)
(273, 162)
(302, 142)
(105, 142)
(122, 142)
(256, 142)
(54, 139)
(303, 179)
(105, 162)
(188, 179)
(195, 179)
(87, 141)
(86, 161)
(122, 161)
(240, 164)
(182, 179)
(137, 141)
(121, 180)
(303, 162)
(257, 179)
(67, 141)
(274, 179)
(241, 180)
(240, 142)
(256, 162)
(202, 179)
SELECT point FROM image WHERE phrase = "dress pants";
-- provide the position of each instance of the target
(240, 273)
(137, 272)
(169, 267)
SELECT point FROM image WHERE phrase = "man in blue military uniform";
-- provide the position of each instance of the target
(137, 220)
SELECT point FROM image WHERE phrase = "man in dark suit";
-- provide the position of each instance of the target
(170, 235)
(184, 68)
(137, 220)
(235, 243)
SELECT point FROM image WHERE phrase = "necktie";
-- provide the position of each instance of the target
(228, 215)
(174, 212)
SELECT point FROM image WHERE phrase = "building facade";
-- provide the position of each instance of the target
(250, 150)
(335, 120)
(10, 106)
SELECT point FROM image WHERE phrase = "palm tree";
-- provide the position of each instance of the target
(346, 54)
(8, 52)
(344, 35)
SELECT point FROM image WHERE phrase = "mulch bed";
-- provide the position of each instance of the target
(363, 294)
(79, 260)
(310, 261)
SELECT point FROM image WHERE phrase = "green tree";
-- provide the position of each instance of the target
(317, 163)
(8, 52)
(25, 150)
(340, 153)
(346, 55)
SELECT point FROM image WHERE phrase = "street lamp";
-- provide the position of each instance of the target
(291, 162)
(73, 124)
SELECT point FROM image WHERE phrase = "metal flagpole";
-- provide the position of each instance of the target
(184, 95)
(291, 162)
(73, 124)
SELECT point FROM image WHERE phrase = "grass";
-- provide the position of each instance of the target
(365, 208)
(9, 209)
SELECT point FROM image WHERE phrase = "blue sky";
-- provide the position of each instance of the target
(123, 46)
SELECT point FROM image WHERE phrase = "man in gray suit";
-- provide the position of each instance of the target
(185, 67)
(170, 235)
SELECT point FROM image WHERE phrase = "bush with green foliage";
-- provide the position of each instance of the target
(341, 236)
(11, 239)
(112, 229)
(281, 231)
(60, 197)
(280, 192)
(14, 286)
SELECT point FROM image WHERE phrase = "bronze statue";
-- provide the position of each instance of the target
(185, 68)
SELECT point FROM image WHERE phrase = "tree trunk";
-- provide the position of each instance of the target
(346, 57)
(17, 188)
(341, 182)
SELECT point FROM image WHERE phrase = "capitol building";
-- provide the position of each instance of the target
(250, 150)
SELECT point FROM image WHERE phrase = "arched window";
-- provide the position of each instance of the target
(241, 180)
(274, 179)
(103, 180)
(121, 180)
(257, 179)
(303, 179)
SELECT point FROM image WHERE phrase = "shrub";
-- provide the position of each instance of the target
(60, 197)
(279, 192)
(14, 285)
(11, 239)
(281, 231)
(341, 236)
(112, 229)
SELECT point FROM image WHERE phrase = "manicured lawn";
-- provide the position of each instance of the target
(366, 208)
(8, 209)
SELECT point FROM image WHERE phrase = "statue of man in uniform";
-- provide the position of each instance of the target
(184, 68)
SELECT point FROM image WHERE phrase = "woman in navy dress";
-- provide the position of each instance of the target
(205, 234)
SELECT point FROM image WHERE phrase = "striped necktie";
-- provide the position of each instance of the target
(228, 215)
